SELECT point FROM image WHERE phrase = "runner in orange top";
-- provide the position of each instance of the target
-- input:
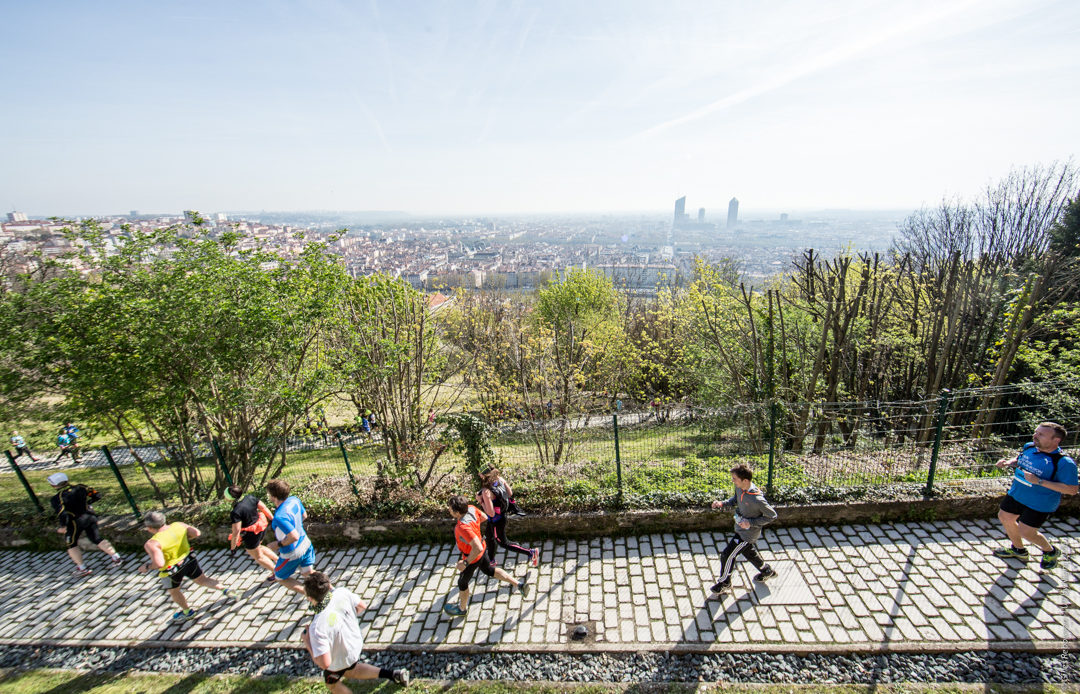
(250, 518)
(470, 541)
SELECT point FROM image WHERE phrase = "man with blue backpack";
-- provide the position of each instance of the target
(1043, 473)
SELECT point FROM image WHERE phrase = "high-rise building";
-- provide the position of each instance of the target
(701, 215)
(133, 214)
(680, 210)
(733, 213)
(21, 216)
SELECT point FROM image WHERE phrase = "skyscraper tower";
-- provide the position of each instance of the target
(680, 210)
(701, 215)
(733, 213)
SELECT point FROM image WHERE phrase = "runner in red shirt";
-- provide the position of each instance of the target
(470, 541)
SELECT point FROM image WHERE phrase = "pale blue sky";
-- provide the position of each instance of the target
(494, 107)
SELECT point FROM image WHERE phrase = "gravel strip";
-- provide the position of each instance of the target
(972, 666)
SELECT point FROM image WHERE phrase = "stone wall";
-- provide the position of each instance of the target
(125, 532)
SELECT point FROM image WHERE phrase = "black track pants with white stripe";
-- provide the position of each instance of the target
(734, 548)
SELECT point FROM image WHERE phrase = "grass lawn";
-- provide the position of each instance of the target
(65, 681)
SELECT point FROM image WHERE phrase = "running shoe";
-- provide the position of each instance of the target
(493, 563)
(183, 616)
(534, 558)
(453, 610)
(765, 574)
(1050, 559)
(82, 571)
(523, 585)
(230, 594)
(1011, 552)
(271, 578)
(722, 588)
(402, 677)
(117, 560)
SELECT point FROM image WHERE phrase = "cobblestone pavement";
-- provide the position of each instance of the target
(928, 585)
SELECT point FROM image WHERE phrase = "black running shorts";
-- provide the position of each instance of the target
(334, 676)
(1028, 516)
(189, 568)
(252, 540)
(485, 568)
(86, 523)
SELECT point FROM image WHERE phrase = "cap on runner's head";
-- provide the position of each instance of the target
(57, 478)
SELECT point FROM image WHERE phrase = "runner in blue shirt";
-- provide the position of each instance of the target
(1043, 474)
(294, 549)
(68, 446)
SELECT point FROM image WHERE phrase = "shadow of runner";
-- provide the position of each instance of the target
(898, 597)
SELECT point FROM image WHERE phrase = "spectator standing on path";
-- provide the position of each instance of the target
(250, 519)
(333, 639)
(752, 513)
(170, 553)
(495, 499)
(474, 555)
(74, 513)
(1043, 474)
(68, 446)
(19, 444)
(295, 550)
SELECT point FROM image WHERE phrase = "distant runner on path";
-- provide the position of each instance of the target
(19, 444)
(74, 513)
(1043, 474)
(69, 445)
(170, 553)
(474, 555)
(752, 513)
(333, 639)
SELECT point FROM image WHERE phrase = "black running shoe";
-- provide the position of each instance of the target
(765, 574)
(721, 588)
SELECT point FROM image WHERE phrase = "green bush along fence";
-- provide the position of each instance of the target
(646, 457)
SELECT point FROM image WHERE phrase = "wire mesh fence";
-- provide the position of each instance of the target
(651, 456)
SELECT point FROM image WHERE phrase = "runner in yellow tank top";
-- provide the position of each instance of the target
(173, 539)
(169, 550)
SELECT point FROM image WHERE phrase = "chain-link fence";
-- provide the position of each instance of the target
(654, 456)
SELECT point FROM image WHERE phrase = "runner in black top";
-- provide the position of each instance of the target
(72, 505)
(495, 500)
(250, 518)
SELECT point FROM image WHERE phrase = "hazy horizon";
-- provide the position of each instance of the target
(529, 108)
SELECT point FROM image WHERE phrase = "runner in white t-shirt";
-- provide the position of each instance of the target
(333, 638)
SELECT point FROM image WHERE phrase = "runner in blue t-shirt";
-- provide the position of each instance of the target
(291, 541)
(1043, 474)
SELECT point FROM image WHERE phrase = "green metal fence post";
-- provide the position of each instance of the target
(943, 410)
(772, 448)
(770, 373)
(25, 484)
(348, 467)
(120, 479)
(221, 462)
(618, 457)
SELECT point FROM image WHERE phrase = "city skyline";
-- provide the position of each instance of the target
(517, 108)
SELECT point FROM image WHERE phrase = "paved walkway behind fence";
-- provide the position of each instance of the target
(924, 585)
